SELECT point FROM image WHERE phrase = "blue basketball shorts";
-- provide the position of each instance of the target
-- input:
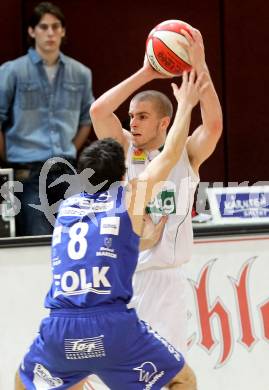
(109, 341)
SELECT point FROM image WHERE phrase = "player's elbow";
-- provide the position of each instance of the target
(216, 127)
(100, 109)
(218, 124)
(95, 110)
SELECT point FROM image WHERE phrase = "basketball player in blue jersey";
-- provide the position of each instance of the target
(95, 248)
(159, 282)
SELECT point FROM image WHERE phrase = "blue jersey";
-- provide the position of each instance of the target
(94, 251)
(90, 330)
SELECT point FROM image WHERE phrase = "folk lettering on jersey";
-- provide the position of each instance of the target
(77, 282)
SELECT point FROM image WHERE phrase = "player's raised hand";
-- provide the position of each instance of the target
(150, 70)
(195, 48)
(152, 232)
(191, 88)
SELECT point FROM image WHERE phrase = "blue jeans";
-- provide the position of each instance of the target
(30, 221)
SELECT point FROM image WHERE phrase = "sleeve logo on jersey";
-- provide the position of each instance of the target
(103, 197)
(87, 348)
(163, 204)
(108, 242)
(56, 238)
(148, 373)
(44, 380)
(107, 249)
(56, 261)
(92, 207)
(110, 225)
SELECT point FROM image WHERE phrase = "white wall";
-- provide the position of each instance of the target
(234, 268)
(237, 284)
(24, 281)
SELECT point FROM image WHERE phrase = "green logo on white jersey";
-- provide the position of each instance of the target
(163, 204)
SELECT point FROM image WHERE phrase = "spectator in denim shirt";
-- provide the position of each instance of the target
(45, 98)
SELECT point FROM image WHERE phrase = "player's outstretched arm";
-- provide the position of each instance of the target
(145, 187)
(152, 232)
(204, 139)
(105, 122)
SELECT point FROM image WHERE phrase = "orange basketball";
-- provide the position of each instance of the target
(164, 50)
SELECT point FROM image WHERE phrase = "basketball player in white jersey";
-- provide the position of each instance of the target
(159, 284)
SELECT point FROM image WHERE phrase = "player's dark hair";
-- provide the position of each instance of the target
(106, 158)
(161, 102)
(39, 11)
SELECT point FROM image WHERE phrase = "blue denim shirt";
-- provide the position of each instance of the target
(40, 119)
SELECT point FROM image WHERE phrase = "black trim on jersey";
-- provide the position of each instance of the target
(183, 220)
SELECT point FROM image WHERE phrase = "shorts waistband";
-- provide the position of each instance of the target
(81, 312)
(165, 268)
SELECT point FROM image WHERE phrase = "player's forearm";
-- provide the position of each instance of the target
(160, 167)
(210, 105)
(146, 244)
(179, 131)
(112, 99)
(158, 170)
(81, 137)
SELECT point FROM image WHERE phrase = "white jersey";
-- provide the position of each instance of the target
(175, 199)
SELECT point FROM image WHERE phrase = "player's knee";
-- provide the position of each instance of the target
(185, 378)
(80, 385)
(18, 383)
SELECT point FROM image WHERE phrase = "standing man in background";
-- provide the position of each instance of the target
(159, 284)
(45, 98)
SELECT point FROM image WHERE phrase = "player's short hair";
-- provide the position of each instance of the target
(106, 157)
(161, 102)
